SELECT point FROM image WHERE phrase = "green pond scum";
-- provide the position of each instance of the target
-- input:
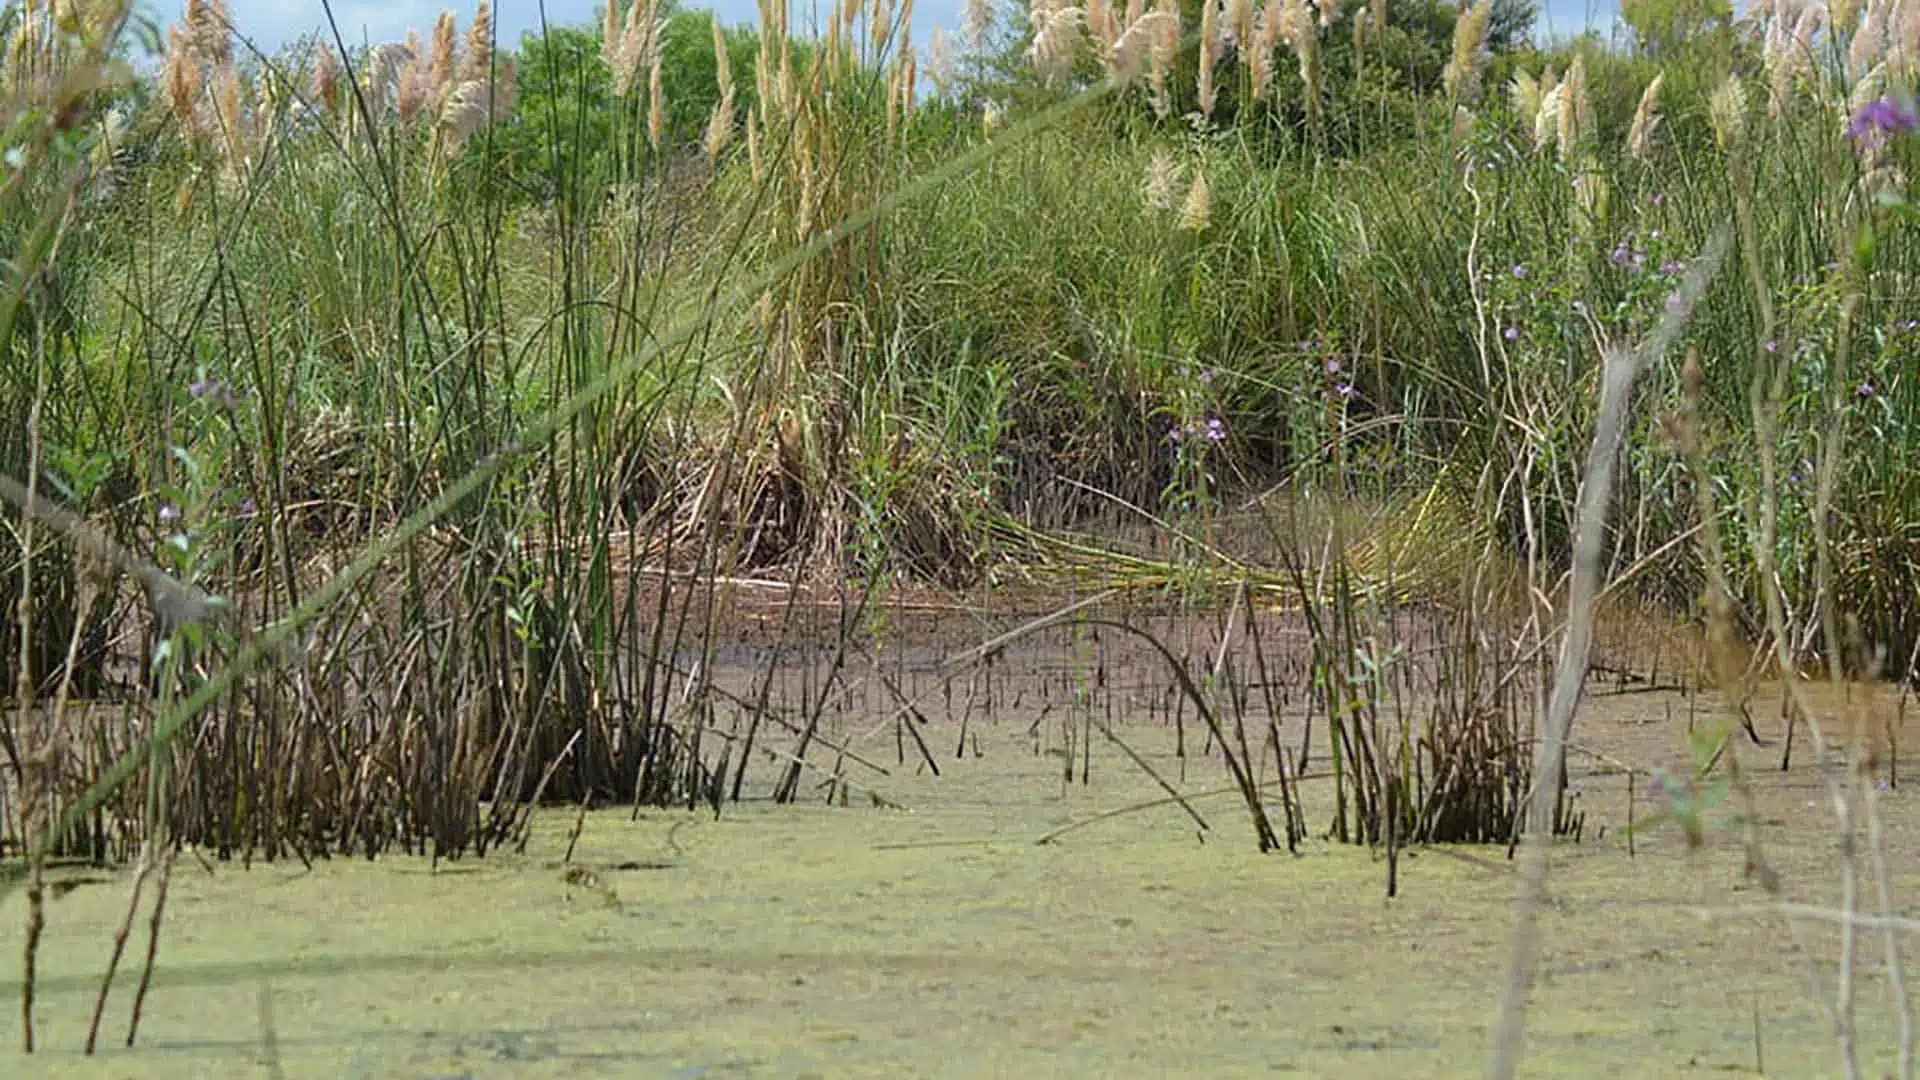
(938, 939)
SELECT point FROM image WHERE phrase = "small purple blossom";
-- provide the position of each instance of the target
(1672, 268)
(1344, 390)
(169, 513)
(211, 389)
(1512, 333)
(1520, 270)
(1867, 390)
(1876, 120)
(1216, 430)
(1622, 254)
(1659, 198)
(1772, 347)
(1333, 366)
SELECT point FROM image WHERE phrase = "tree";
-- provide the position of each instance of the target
(1665, 27)
(570, 128)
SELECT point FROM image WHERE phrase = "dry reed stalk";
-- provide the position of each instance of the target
(154, 920)
(37, 789)
(1620, 369)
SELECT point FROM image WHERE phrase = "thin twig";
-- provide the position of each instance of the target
(1620, 369)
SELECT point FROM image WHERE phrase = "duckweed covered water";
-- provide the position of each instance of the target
(940, 940)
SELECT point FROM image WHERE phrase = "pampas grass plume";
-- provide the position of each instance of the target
(1574, 118)
(656, 107)
(1209, 44)
(478, 62)
(1646, 120)
(1469, 37)
(1162, 183)
(1727, 110)
(1197, 211)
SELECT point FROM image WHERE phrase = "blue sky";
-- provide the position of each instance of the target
(270, 22)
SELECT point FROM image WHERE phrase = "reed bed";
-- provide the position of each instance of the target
(399, 438)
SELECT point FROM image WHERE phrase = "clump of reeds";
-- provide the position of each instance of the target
(449, 88)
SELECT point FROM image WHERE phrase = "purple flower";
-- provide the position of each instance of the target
(1866, 390)
(1876, 120)
(1659, 198)
(1216, 431)
(1622, 254)
(169, 513)
(1773, 347)
(1512, 333)
(1206, 376)
(1672, 268)
(1520, 270)
(1654, 235)
(1345, 390)
(1333, 366)
(220, 393)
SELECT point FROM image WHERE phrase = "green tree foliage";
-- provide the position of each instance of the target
(1666, 27)
(563, 128)
(571, 127)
